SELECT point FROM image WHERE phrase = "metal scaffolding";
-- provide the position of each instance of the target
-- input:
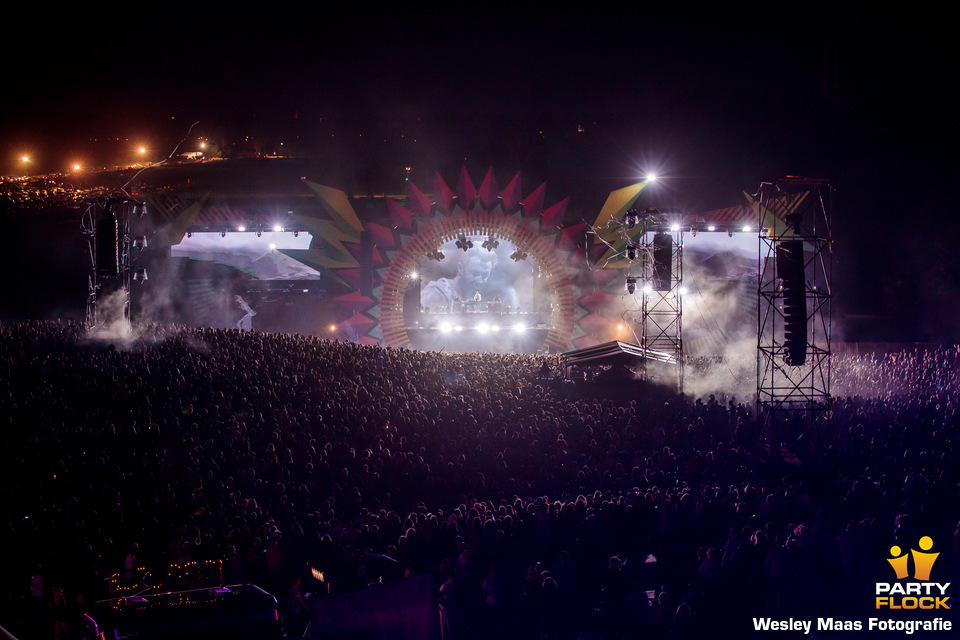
(795, 291)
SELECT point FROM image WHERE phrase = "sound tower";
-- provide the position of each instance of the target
(790, 269)
(108, 249)
(662, 261)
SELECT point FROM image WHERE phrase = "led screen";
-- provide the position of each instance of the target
(260, 257)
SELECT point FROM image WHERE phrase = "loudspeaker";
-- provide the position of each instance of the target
(790, 269)
(662, 261)
(108, 249)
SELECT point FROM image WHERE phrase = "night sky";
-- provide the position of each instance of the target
(587, 100)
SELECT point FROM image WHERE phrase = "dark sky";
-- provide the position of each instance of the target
(714, 100)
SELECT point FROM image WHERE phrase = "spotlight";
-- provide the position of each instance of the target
(729, 233)
(746, 228)
(140, 242)
(483, 327)
(519, 327)
(414, 275)
(223, 234)
(296, 234)
(675, 227)
(277, 228)
(435, 255)
(140, 274)
(711, 228)
(518, 255)
(445, 327)
(241, 228)
(631, 218)
(189, 234)
(631, 285)
(651, 177)
(464, 244)
(490, 243)
(631, 252)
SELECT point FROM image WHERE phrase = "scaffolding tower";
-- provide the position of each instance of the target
(661, 249)
(111, 245)
(794, 319)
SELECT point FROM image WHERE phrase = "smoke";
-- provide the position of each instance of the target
(113, 326)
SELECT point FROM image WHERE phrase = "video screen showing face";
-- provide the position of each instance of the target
(260, 257)
(476, 276)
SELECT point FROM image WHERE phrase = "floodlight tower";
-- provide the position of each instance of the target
(794, 320)
(661, 250)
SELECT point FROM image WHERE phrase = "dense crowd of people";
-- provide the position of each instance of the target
(541, 507)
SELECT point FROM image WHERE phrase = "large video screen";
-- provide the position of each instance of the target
(478, 276)
(261, 256)
(720, 277)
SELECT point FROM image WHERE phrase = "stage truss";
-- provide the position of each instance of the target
(794, 213)
(661, 315)
(111, 246)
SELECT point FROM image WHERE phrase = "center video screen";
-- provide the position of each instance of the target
(476, 279)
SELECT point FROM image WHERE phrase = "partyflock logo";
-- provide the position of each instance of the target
(919, 593)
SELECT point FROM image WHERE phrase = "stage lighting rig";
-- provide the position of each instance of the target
(518, 255)
(463, 244)
(490, 243)
(631, 285)
(435, 255)
(631, 251)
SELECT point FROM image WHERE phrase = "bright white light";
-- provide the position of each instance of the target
(711, 228)
(647, 290)
(651, 177)
(495, 328)
(746, 228)
(241, 228)
(445, 327)
(519, 327)
(483, 327)
(458, 328)
(413, 275)
(682, 291)
(273, 246)
(277, 228)
(675, 227)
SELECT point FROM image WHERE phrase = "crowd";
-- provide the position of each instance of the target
(541, 507)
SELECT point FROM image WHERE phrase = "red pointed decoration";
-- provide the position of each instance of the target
(420, 203)
(572, 237)
(533, 203)
(488, 190)
(442, 194)
(466, 192)
(553, 217)
(511, 194)
(382, 236)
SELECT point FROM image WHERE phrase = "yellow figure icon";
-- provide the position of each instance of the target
(899, 564)
(923, 562)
